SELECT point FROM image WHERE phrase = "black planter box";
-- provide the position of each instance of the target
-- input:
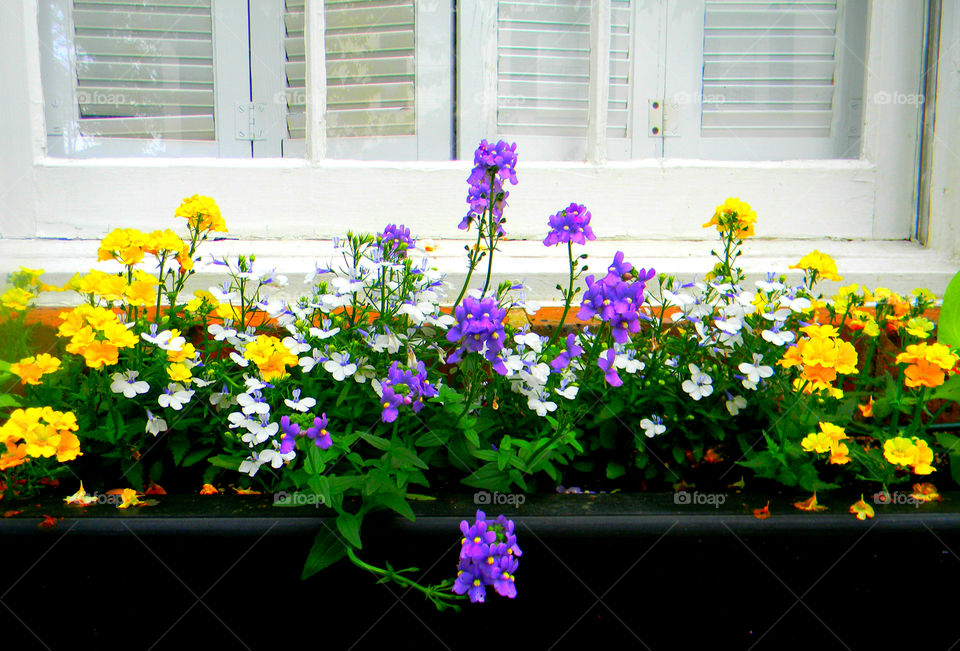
(636, 571)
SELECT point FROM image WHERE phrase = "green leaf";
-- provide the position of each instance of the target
(948, 325)
(376, 441)
(615, 470)
(421, 498)
(472, 436)
(224, 461)
(178, 445)
(195, 456)
(396, 502)
(9, 400)
(949, 390)
(326, 550)
(407, 457)
(349, 525)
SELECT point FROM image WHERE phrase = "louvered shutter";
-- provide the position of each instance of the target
(769, 68)
(543, 68)
(144, 69)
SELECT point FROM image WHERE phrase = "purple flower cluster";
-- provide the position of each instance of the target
(395, 240)
(571, 352)
(479, 325)
(318, 432)
(404, 387)
(572, 224)
(488, 556)
(615, 300)
(502, 158)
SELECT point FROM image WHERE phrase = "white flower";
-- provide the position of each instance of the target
(340, 366)
(770, 284)
(175, 396)
(239, 419)
(155, 425)
(253, 404)
(164, 340)
(254, 383)
(679, 299)
(364, 372)
(796, 304)
(251, 465)
(197, 381)
(731, 326)
(259, 432)
(345, 285)
(275, 458)
(222, 293)
(529, 339)
(126, 383)
(326, 332)
(757, 370)
(777, 337)
(388, 342)
(569, 392)
(628, 362)
(653, 426)
(699, 385)
(221, 399)
(296, 345)
(735, 404)
(542, 406)
(307, 363)
(239, 360)
(297, 404)
(220, 333)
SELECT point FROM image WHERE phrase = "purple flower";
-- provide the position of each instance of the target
(492, 165)
(488, 557)
(617, 269)
(606, 364)
(319, 434)
(290, 433)
(479, 328)
(395, 240)
(615, 300)
(572, 224)
(572, 351)
(404, 387)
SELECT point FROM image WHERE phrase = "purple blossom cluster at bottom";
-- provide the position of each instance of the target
(488, 556)
(404, 387)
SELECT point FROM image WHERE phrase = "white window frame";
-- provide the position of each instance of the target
(44, 196)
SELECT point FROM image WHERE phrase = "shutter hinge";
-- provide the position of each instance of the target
(251, 120)
(662, 118)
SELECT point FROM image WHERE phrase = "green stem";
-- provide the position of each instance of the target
(568, 296)
(473, 265)
(433, 593)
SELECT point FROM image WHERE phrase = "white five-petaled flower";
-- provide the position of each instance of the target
(164, 340)
(530, 339)
(155, 425)
(220, 333)
(796, 304)
(777, 337)
(628, 363)
(340, 366)
(732, 326)
(175, 396)
(274, 457)
(239, 359)
(250, 465)
(735, 404)
(127, 384)
(539, 403)
(653, 426)
(316, 357)
(297, 404)
(699, 385)
(755, 371)
(296, 345)
(570, 392)
(253, 403)
(326, 331)
(221, 399)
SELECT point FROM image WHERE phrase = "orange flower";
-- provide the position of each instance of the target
(14, 456)
(209, 489)
(861, 509)
(100, 353)
(68, 448)
(31, 369)
(923, 374)
(128, 498)
(155, 489)
(764, 513)
(867, 410)
(810, 504)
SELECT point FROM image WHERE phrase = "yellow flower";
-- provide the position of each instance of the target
(925, 492)
(899, 451)
(839, 454)
(202, 213)
(187, 351)
(80, 498)
(31, 369)
(271, 356)
(815, 331)
(861, 509)
(69, 447)
(16, 298)
(846, 358)
(98, 283)
(822, 264)
(922, 457)
(179, 373)
(201, 300)
(120, 335)
(920, 327)
(100, 353)
(734, 216)
(822, 352)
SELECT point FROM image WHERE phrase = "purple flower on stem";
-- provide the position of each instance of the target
(572, 351)
(492, 165)
(404, 387)
(319, 434)
(615, 300)
(290, 433)
(606, 364)
(479, 328)
(572, 224)
(395, 240)
(488, 557)
(617, 269)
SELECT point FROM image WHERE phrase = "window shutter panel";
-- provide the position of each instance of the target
(543, 67)
(769, 68)
(145, 68)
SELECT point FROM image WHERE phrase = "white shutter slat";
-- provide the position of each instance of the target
(768, 68)
(543, 67)
(145, 68)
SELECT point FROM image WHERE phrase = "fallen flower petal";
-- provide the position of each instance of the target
(861, 509)
(155, 489)
(764, 513)
(209, 489)
(80, 498)
(10, 514)
(128, 498)
(810, 504)
(926, 492)
(49, 522)
(245, 491)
